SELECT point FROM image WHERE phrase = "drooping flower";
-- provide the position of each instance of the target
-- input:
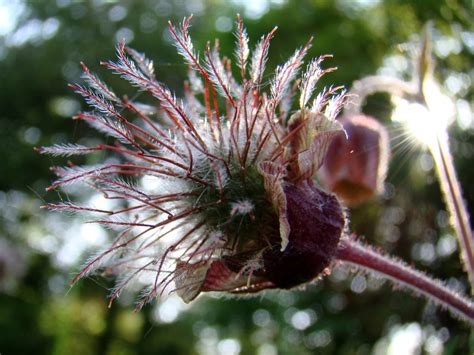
(216, 188)
(357, 160)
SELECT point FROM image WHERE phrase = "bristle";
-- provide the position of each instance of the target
(98, 85)
(310, 78)
(109, 126)
(242, 46)
(67, 150)
(285, 73)
(145, 64)
(259, 58)
(184, 45)
(217, 74)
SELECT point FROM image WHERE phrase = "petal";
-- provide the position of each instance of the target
(190, 279)
(313, 134)
(221, 277)
(237, 274)
(273, 180)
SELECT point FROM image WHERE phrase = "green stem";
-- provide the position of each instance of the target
(451, 188)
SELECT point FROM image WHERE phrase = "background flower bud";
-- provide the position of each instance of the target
(356, 163)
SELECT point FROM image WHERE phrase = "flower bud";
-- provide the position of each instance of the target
(355, 165)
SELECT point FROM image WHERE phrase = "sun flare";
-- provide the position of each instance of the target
(427, 123)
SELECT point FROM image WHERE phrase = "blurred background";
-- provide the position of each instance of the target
(41, 46)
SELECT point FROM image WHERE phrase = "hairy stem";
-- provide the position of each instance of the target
(451, 188)
(365, 257)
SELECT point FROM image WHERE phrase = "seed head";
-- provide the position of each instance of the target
(216, 188)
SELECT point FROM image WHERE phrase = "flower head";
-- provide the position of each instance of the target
(216, 188)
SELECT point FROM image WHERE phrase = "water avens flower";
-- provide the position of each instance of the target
(228, 208)
(215, 190)
(357, 160)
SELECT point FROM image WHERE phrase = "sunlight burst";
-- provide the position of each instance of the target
(426, 123)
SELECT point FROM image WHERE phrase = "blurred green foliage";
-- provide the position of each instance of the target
(40, 54)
